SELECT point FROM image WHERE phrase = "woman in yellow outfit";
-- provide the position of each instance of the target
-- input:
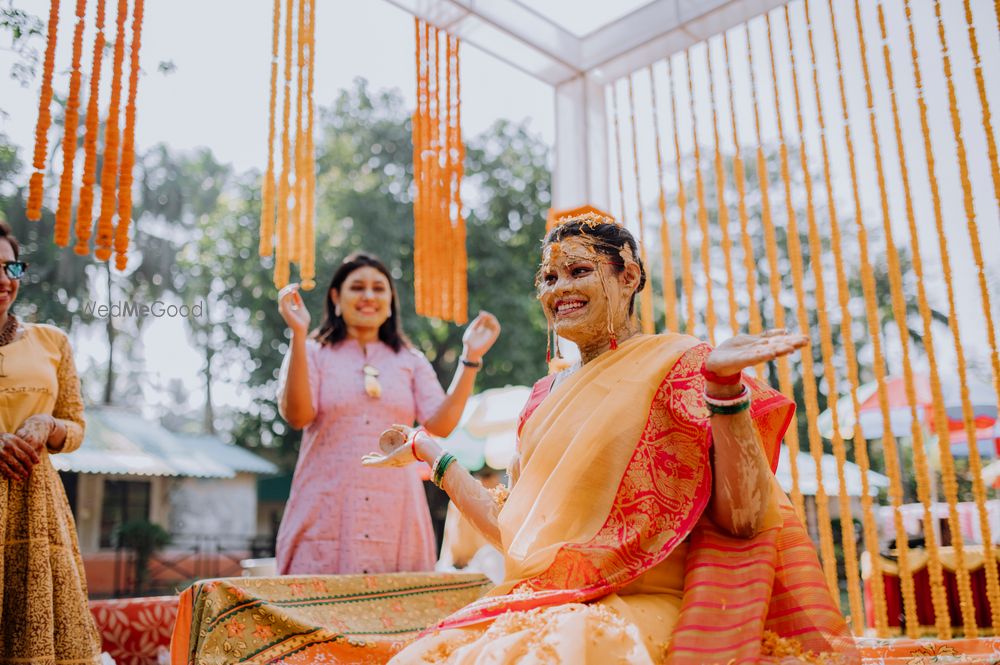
(44, 616)
(643, 523)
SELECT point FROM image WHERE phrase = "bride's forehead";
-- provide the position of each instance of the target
(573, 248)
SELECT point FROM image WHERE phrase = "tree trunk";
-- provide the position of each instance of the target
(109, 382)
(209, 424)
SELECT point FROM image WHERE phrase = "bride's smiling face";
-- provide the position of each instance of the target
(579, 286)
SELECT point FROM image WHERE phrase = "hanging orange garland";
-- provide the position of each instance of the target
(109, 170)
(128, 145)
(85, 208)
(266, 247)
(71, 123)
(439, 255)
(34, 211)
(287, 224)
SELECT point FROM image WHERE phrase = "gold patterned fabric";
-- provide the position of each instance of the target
(327, 619)
(44, 618)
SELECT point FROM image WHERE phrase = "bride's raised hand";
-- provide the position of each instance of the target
(398, 446)
(742, 351)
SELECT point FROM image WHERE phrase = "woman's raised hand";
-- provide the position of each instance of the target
(396, 445)
(737, 353)
(479, 336)
(293, 309)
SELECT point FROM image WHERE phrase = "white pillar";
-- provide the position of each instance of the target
(581, 151)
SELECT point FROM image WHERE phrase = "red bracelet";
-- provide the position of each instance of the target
(728, 380)
(413, 443)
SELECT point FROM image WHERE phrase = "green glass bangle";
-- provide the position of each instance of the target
(441, 467)
(728, 410)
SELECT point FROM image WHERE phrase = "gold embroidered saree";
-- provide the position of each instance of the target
(609, 554)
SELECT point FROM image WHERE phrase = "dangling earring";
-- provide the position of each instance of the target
(548, 341)
(611, 323)
(555, 335)
(336, 310)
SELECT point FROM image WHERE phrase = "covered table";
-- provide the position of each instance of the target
(918, 557)
(291, 620)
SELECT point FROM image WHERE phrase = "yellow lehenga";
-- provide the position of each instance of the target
(609, 557)
(44, 617)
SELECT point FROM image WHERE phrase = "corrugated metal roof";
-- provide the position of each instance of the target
(119, 441)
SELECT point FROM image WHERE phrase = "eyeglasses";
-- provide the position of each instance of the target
(14, 269)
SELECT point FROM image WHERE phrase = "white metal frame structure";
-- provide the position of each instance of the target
(579, 67)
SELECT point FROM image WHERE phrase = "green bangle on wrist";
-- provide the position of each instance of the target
(728, 410)
(441, 467)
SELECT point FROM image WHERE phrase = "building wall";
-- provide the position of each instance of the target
(225, 507)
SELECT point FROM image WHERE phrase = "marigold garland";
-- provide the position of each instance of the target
(298, 193)
(975, 464)
(85, 208)
(720, 194)
(795, 257)
(940, 417)
(646, 296)
(439, 254)
(739, 175)
(35, 187)
(307, 268)
(109, 169)
(128, 144)
(687, 274)
(669, 291)
(699, 182)
(847, 530)
(64, 211)
(266, 246)
(618, 150)
(281, 259)
(889, 443)
(984, 103)
(778, 314)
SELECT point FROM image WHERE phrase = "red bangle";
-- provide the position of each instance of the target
(728, 380)
(413, 443)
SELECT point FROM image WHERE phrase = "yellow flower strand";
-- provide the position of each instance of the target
(720, 194)
(281, 267)
(851, 568)
(109, 169)
(444, 204)
(618, 151)
(795, 257)
(878, 361)
(870, 531)
(706, 256)
(307, 269)
(739, 174)
(416, 126)
(940, 420)
(128, 144)
(439, 266)
(425, 192)
(35, 184)
(984, 104)
(71, 122)
(784, 368)
(687, 275)
(860, 445)
(85, 207)
(669, 291)
(646, 296)
(266, 247)
(298, 189)
(975, 464)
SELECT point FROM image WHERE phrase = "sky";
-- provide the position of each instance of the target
(217, 97)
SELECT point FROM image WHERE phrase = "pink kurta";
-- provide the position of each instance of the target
(341, 517)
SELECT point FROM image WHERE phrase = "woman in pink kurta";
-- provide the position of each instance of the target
(343, 385)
